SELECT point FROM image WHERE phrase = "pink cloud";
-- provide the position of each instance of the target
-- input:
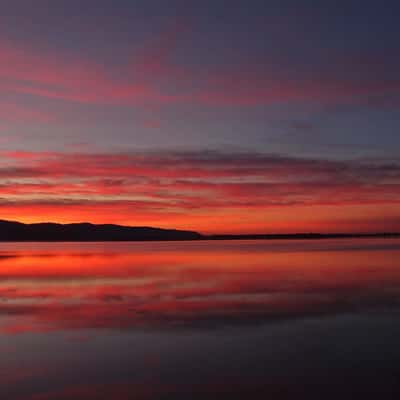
(13, 112)
(75, 79)
(197, 180)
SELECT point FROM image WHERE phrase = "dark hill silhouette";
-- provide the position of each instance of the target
(11, 231)
(84, 232)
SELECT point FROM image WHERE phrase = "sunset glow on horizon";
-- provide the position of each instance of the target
(217, 119)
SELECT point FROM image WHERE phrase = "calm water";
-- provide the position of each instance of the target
(200, 320)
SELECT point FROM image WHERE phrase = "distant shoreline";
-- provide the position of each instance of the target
(11, 231)
(306, 236)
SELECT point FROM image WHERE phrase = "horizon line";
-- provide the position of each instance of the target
(217, 235)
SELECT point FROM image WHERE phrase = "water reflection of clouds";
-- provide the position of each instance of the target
(202, 287)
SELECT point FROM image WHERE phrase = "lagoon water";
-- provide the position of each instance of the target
(200, 320)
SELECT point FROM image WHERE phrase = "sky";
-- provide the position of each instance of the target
(216, 116)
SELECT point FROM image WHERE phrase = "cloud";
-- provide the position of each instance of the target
(206, 177)
(15, 112)
(74, 79)
(146, 75)
(189, 189)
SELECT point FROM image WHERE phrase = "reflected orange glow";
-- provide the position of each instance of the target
(133, 285)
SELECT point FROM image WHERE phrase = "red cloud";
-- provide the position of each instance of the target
(167, 186)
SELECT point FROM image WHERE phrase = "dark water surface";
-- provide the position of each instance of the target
(200, 320)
